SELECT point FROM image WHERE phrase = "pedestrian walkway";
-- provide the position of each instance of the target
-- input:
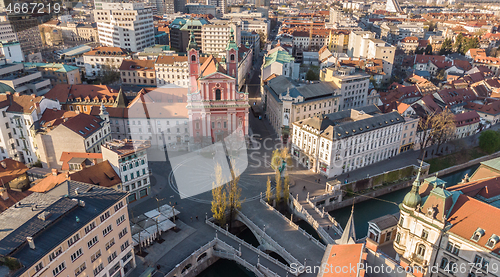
(324, 220)
(292, 240)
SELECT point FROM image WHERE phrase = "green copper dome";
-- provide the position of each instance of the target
(412, 199)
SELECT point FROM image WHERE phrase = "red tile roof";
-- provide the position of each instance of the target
(19, 103)
(138, 65)
(83, 125)
(466, 118)
(101, 174)
(67, 156)
(487, 188)
(50, 182)
(108, 51)
(345, 256)
(63, 93)
(469, 214)
(14, 197)
(11, 169)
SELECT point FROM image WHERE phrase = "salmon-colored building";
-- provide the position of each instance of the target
(215, 106)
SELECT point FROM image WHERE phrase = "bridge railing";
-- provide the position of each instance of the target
(313, 221)
(197, 252)
(265, 269)
(295, 226)
(239, 260)
(252, 248)
(278, 247)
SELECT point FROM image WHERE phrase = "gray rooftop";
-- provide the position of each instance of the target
(344, 124)
(385, 221)
(280, 85)
(63, 204)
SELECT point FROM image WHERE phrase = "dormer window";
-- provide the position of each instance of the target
(477, 234)
(492, 241)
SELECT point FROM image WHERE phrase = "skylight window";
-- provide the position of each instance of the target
(87, 128)
(492, 241)
(81, 132)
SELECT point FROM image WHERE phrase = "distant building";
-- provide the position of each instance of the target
(181, 29)
(23, 79)
(60, 131)
(393, 6)
(288, 102)
(81, 98)
(129, 159)
(278, 62)
(353, 87)
(57, 73)
(102, 59)
(19, 114)
(340, 142)
(77, 228)
(138, 72)
(11, 51)
(197, 8)
(113, 33)
(363, 44)
(27, 33)
(214, 37)
(220, 5)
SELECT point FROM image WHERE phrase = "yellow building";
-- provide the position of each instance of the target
(58, 73)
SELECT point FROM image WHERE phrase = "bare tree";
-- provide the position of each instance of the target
(278, 186)
(219, 199)
(286, 188)
(425, 128)
(269, 192)
(445, 127)
(234, 195)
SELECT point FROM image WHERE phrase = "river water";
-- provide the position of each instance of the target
(363, 212)
(387, 204)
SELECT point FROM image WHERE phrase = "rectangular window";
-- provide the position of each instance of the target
(106, 231)
(124, 245)
(90, 227)
(95, 256)
(59, 269)
(120, 220)
(110, 243)
(72, 240)
(80, 269)
(118, 206)
(104, 216)
(92, 242)
(54, 254)
(425, 234)
(39, 266)
(112, 257)
(76, 255)
(98, 269)
(122, 233)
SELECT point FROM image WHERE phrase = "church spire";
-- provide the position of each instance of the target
(192, 42)
(232, 42)
(349, 234)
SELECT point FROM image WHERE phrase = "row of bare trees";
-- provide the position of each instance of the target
(436, 128)
(280, 159)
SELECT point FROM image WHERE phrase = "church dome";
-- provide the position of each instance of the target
(412, 199)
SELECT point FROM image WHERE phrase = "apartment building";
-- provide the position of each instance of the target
(74, 229)
(335, 143)
(57, 73)
(100, 59)
(19, 114)
(11, 51)
(60, 131)
(129, 159)
(278, 62)
(287, 102)
(363, 44)
(466, 124)
(172, 70)
(220, 5)
(214, 37)
(197, 8)
(55, 32)
(125, 25)
(27, 33)
(353, 86)
(22, 79)
(138, 72)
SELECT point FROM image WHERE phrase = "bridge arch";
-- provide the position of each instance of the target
(201, 257)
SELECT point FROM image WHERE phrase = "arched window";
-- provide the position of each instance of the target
(232, 57)
(398, 235)
(444, 263)
(217, 94)
(421, 250)
(193, 58)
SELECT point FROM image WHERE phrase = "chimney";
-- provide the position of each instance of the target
(94, 161)
(67, 176)
(16, 94)
(54, 171)
(3, 164)
(8, 93)
(33, 96)
(31, 242)
(4, 194)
